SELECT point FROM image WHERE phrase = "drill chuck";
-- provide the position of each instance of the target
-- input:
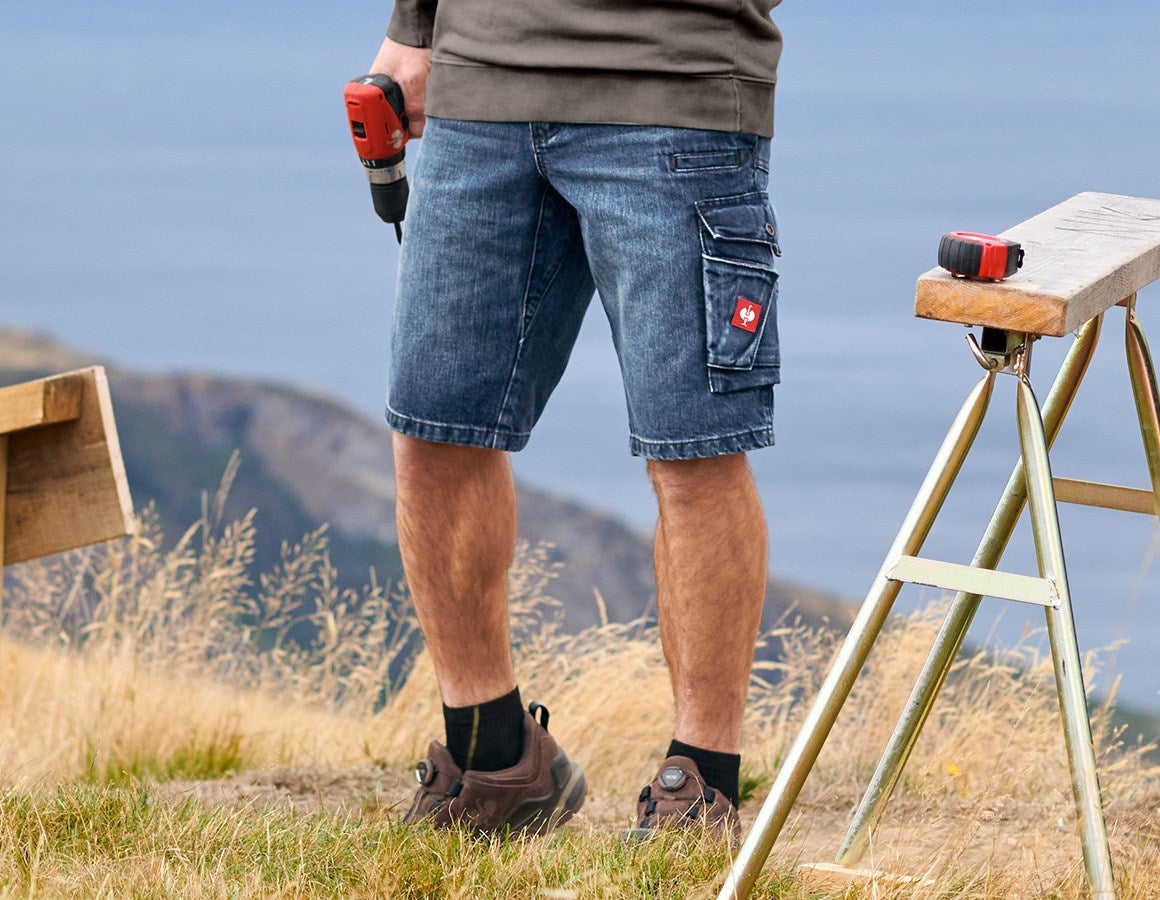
(389, 190)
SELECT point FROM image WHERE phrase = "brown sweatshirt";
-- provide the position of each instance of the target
(689, 63)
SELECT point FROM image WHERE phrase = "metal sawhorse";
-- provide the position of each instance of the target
(1083, 256)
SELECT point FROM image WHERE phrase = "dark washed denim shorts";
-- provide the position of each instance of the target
(509, 228)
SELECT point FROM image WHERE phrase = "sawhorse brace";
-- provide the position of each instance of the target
(1123, 248)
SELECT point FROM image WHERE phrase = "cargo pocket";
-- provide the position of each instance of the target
(738, 245)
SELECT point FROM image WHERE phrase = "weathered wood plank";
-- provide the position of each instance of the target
(66, 481)
(4, 501)
(836, 877)
(1082, 257)
(43, 402)
(3, 504)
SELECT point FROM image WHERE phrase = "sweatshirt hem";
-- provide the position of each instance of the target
(498, 94)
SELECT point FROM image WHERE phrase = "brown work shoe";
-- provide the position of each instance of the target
(539, 792)
(679, 800)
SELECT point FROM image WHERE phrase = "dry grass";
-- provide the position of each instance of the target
(122, 667)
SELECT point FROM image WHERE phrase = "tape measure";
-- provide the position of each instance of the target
(971, 255)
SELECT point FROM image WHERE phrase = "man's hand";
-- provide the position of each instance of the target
(409, 67)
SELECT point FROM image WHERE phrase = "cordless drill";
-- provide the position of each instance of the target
(378, 124)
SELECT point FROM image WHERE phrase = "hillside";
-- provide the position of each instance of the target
(308, 460)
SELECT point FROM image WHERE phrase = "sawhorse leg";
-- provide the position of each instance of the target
(1061, 634)
(856, 647)
(1143, 376)
(963, 608)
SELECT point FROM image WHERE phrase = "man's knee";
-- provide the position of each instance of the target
(689, 480)
(414, 456)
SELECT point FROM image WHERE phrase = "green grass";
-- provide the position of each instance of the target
(118, 840)
(199, 757)
(753, 783)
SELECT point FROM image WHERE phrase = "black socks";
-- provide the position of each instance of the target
(721, 771)
(486, 737)
(489, 737)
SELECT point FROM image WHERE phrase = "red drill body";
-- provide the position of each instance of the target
(378, 125)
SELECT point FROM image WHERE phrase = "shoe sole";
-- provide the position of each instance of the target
(539, 815)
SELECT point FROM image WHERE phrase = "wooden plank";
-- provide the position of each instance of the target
(836, 877)
(66, 481)
(43, 402)
(1082, 257)
(3, 504)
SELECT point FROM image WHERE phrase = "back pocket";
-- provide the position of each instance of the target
(738, 246)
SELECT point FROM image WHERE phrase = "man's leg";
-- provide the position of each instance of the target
(711, 564)
(681, 240)
(500, 768)
(493, 284)
(457, 533)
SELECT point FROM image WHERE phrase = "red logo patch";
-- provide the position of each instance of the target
(746, 315)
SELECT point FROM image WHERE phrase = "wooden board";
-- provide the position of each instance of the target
(43, 402)
(833, 876)
(1082, 257)
(66, 481)
(3, 505)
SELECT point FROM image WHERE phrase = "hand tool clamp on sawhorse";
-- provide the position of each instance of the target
(1083, 256)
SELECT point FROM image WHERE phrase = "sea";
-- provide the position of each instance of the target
(178, 191)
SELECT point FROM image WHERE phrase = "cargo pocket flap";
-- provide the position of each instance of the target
(746, 217)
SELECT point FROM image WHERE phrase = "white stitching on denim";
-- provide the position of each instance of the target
(740, 262)
(535, 149)
(716, 167)
(490, 434)
(503, 406)
(525, 322)
(747, 442)
(702, 440)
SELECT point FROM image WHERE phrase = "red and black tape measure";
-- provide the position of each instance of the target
(972, 255)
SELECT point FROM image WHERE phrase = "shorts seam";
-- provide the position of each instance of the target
(745, 264)
(706, 169)
(714, 445)
(750, 368)
(524, 324)
(702, 440)
(488, 437)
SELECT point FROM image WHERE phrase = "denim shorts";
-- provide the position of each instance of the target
(510, 227)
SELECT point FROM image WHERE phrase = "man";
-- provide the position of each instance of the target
(573, 144)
